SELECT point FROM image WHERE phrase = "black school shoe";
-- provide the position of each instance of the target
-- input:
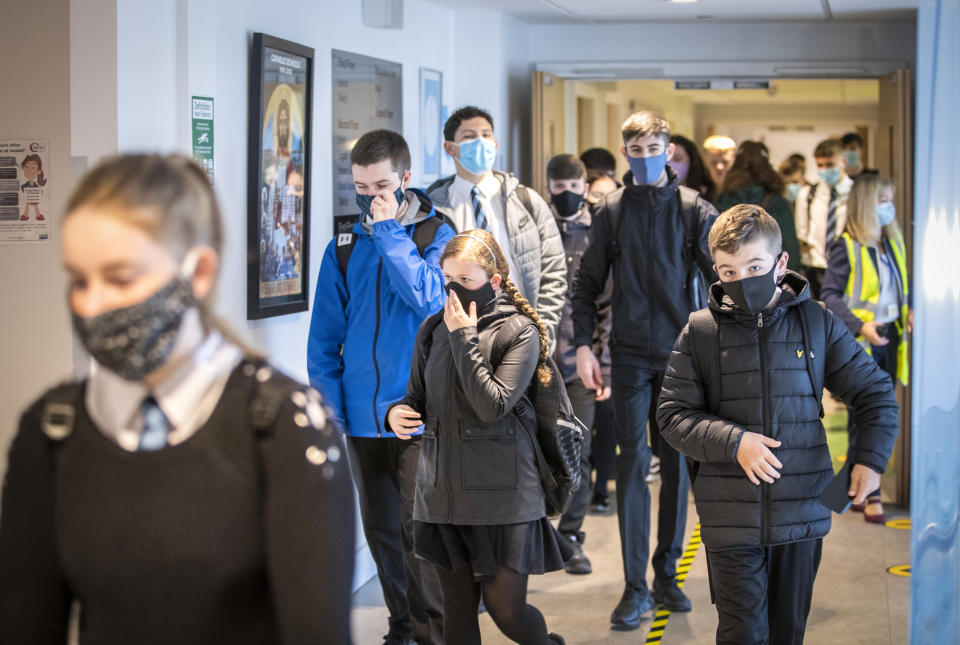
(633, 604)
(669, 595)
(577, 564)
(556, 638)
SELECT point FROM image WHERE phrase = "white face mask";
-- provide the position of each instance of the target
(886, 213)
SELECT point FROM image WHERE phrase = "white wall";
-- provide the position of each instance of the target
(35, 342)
(168, 51)
(773, 41)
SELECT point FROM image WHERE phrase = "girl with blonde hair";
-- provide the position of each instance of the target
(479, 507)
(867, 286)
(186, 492)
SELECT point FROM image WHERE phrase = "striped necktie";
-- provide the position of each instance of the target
(155, 426)
(478, 213)
(832, 216)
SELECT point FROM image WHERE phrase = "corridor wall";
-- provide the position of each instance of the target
(935, 467)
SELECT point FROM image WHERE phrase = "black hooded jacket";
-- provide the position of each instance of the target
(477, 463)
(765, 388)
(650, 303)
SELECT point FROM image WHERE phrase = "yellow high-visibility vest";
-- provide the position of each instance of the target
(862, 294)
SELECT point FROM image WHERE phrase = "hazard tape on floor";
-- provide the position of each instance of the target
(683, 568)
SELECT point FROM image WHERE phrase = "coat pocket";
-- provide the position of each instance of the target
(427, 465)
(488, 454)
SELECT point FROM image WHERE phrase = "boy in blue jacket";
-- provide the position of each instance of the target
(378, 281)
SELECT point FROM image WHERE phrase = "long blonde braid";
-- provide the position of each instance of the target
(480, 247)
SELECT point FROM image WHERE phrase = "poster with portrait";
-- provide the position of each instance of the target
(431, 137)
(278, 200)
(367, 95)
(24, 191)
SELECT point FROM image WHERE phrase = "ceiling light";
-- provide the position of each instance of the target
(682, 1)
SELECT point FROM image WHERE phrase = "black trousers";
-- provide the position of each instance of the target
(634, 389)
(384, 472)
(603, 450)
(571, 522)
(763, 595)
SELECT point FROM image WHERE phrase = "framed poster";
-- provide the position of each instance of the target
(367, 94)
(431, 105)
(278, 183)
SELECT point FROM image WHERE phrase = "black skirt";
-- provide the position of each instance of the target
(528, 547)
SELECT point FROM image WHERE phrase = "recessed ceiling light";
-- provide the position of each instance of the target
(682, 1)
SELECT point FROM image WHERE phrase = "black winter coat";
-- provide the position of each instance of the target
(477, 463)
(765, 388)
(650, 303)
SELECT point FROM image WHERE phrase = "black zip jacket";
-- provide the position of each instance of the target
(650, 303)
(765, 388)
(477, 463)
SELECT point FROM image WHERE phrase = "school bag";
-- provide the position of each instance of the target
(696, 282)
(423, 233)
(559, 435)
(558, 438)
(704, 337)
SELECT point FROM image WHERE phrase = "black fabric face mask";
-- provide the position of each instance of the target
(567, 203)
(482, 295)
(753, 294)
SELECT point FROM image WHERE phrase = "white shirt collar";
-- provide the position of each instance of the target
(489, 186)
(114, 403)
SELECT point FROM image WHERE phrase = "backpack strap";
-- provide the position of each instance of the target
(346, 241)
(704, 334)
(524, 194)
(765, 202)
(425, 230)
(615, 217)
(60, 407)
(810, 194)
(813, 322)
(504, 337)
(689, 212)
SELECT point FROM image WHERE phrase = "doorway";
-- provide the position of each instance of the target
(788, 114)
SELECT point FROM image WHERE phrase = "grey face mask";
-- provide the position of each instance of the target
(134, 341)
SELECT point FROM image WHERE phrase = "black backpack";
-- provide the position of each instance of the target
(696, 283)
(704, 335)
(559, 435)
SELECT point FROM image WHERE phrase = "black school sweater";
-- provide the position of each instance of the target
(233, 536)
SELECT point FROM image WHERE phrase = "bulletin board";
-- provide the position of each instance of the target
(367, 95)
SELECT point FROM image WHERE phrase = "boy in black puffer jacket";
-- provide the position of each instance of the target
(741, 396)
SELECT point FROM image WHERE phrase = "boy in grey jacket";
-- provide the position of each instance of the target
(517, 217)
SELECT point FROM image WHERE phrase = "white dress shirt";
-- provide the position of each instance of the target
(491, 199)
(187, 396)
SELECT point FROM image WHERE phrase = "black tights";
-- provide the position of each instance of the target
(505, 598)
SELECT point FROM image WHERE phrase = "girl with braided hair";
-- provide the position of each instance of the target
(479, 508)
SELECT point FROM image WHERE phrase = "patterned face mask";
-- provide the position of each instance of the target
(134, 341)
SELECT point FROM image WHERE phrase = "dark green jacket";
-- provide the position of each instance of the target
(778, 207)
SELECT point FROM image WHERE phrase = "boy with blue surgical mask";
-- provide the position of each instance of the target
(821, 211)
(652, 234)
(378, 281)
(480, 197)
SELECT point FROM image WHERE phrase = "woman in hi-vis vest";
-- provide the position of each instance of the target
(867, 286)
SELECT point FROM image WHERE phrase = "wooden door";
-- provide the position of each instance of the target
(549, 119)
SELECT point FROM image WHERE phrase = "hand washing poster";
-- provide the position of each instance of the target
(24, 191)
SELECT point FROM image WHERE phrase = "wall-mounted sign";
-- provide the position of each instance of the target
(201, 108)
(24, 191)
(367, 95)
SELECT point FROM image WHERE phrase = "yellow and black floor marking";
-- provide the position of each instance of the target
(899, 523)
(683, 568)
(902, 570)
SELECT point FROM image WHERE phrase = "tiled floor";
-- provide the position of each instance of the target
(855, 600)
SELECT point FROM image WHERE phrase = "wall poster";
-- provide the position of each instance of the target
(201, 112)
(367, 95)
(278, 197)
(24, 191)
(431, 136)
